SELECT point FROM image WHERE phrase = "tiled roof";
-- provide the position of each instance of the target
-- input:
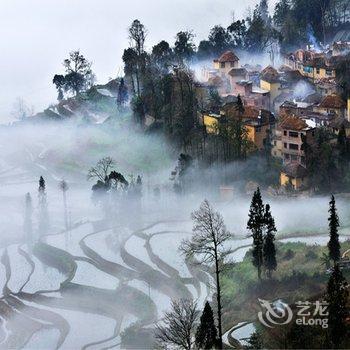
(238, 72)
(252, 112)
(228, 56)
(293, 123)
(332, 101)
(270, 74)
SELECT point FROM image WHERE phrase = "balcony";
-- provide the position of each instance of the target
(292, 151)
(291, 139)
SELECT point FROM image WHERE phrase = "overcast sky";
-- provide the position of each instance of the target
(36, 35)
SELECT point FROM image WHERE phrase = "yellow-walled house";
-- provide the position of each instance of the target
(270, 81)
(332, 104)
(312, 64)
(312, 71)
(211, 122)
(295, 175)
(321, 73)
(256, 122)
(277, 145)
(226, 62)
(293, 130)
(257, 133)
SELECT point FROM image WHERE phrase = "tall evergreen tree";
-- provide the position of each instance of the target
(219, 38)
(184, 47)
(206, 335)
(333, 244)
(28, 224)
(269, 249)
(337, 296)
(264, 10)
(43, 219)
(255, 341)
(239, 105)
(122, 96)
(256, 225)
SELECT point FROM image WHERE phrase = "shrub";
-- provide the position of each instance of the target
(289, 255)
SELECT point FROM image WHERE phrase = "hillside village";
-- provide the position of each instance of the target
(199, 199)
(286, 122)
(274, 111)
(282, 111)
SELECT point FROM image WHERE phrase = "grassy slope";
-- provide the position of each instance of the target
(300, 275)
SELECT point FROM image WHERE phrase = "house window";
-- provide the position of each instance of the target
(274, 143)
(317, 70)
(293, 134)
(294, 157)
(232, 64)
(293, 146)
(222, 65)
(329, 72)
(285, 145)
(285, 133)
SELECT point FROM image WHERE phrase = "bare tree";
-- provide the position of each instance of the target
(101, 169)
(21, 110)
(207, 242)
(137, 36)
(178, 325)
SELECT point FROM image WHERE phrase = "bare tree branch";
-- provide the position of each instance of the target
(178, 325)
(207, 243)
(101, 169)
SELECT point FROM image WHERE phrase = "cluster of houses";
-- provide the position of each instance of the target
(284, 106)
